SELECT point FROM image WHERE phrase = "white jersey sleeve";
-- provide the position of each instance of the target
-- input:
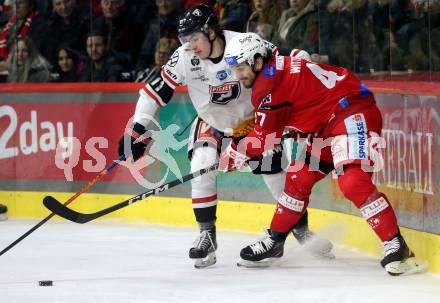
(159, 91)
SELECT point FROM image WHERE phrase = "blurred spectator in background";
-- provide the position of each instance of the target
(103, 64)
(283, 5)
(67, 25)
(347, 37)
(141, 11)
(5, 14)
(164, 49)
(361, 35)
(43, 7)
(163, 25)
(415, 37)
(393, 55)
(435, 32)
(25, 21)
(122, 32)
(68, 67)
(25, 64)
(95, 6)
(233, 14)
(299, 27)
(264, 19)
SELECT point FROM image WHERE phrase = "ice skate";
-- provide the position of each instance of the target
(203, 250)
(399, 259)
(268, 248)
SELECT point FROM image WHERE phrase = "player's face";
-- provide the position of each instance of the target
(245, 74)
(199, 44)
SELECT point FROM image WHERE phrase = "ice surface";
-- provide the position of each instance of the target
(112, 262)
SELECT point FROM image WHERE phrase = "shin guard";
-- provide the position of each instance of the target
(288, 211)
(379, 213)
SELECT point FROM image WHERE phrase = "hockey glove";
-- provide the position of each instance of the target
(138, 140)
(231, 159)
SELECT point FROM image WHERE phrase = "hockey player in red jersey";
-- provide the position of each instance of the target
(339, 116)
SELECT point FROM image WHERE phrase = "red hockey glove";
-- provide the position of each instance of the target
(231, 159)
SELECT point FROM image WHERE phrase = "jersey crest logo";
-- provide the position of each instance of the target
(269, 71)
(197, 13)
(173, 59)
(195, 61)
(224, 93)
(266, 100)
(222, 75)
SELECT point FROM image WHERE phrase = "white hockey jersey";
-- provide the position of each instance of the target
(218, 97)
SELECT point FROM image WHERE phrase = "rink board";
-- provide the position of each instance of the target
(340, 228)
(31, 126)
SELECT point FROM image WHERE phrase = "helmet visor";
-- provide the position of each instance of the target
(190, 38)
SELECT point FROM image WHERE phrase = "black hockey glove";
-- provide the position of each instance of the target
(138, 140)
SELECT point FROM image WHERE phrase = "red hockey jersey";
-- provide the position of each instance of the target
(303, 96)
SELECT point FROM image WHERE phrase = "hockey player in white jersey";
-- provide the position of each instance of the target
(224, 109)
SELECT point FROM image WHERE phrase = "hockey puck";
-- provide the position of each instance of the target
(3, 209)
(45, 283)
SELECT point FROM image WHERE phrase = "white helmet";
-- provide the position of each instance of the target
(243, 47)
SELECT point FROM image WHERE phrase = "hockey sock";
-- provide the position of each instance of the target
(303, 222)
(379, 213)
(206, 225)
(357, 186)
(288, 212)
(205, 216)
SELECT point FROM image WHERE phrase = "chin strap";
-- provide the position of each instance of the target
(211, 45)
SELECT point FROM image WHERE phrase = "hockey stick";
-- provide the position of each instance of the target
(84, 189)
(61, 210)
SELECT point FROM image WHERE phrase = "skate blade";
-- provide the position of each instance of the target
(256, 264)
(408, 267)
(209, 260)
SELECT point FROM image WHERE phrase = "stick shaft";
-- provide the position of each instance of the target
(77, 217)
(71, 199)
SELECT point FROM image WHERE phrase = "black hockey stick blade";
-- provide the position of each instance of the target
(59, 209)
(63, 211)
